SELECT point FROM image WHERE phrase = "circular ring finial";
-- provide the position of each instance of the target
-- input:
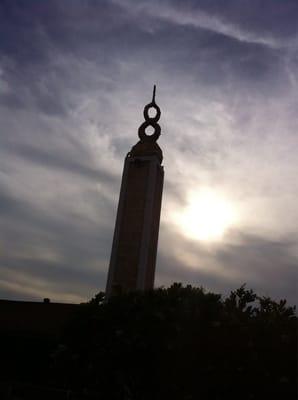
(150, 121)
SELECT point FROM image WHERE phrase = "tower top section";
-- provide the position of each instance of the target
(150, 121)
(147, 145)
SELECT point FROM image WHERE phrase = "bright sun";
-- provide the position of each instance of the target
(207, 216)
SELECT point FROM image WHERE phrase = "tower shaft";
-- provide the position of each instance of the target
(133, 258)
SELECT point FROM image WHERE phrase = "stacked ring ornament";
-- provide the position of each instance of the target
(150, 121)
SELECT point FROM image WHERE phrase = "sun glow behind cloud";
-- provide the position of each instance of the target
(207, 216)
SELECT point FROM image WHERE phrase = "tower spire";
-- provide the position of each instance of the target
(153, 95)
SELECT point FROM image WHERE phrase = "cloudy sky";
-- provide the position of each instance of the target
(74, 78)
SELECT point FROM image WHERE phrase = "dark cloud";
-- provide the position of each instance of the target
(254, 261)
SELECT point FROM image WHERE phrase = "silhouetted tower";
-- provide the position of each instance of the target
(133, 258)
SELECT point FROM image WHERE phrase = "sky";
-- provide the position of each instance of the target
(74, 78)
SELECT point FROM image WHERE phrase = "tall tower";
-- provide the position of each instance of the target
(133, 257)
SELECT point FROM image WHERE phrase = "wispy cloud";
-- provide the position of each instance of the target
(194, 15)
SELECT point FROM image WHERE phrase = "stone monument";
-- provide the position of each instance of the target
(133, 256)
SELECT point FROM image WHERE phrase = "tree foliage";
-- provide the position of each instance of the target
(181, 343)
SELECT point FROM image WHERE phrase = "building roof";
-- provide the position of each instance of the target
(35, 318)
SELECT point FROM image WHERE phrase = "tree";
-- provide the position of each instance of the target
(182, 343)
